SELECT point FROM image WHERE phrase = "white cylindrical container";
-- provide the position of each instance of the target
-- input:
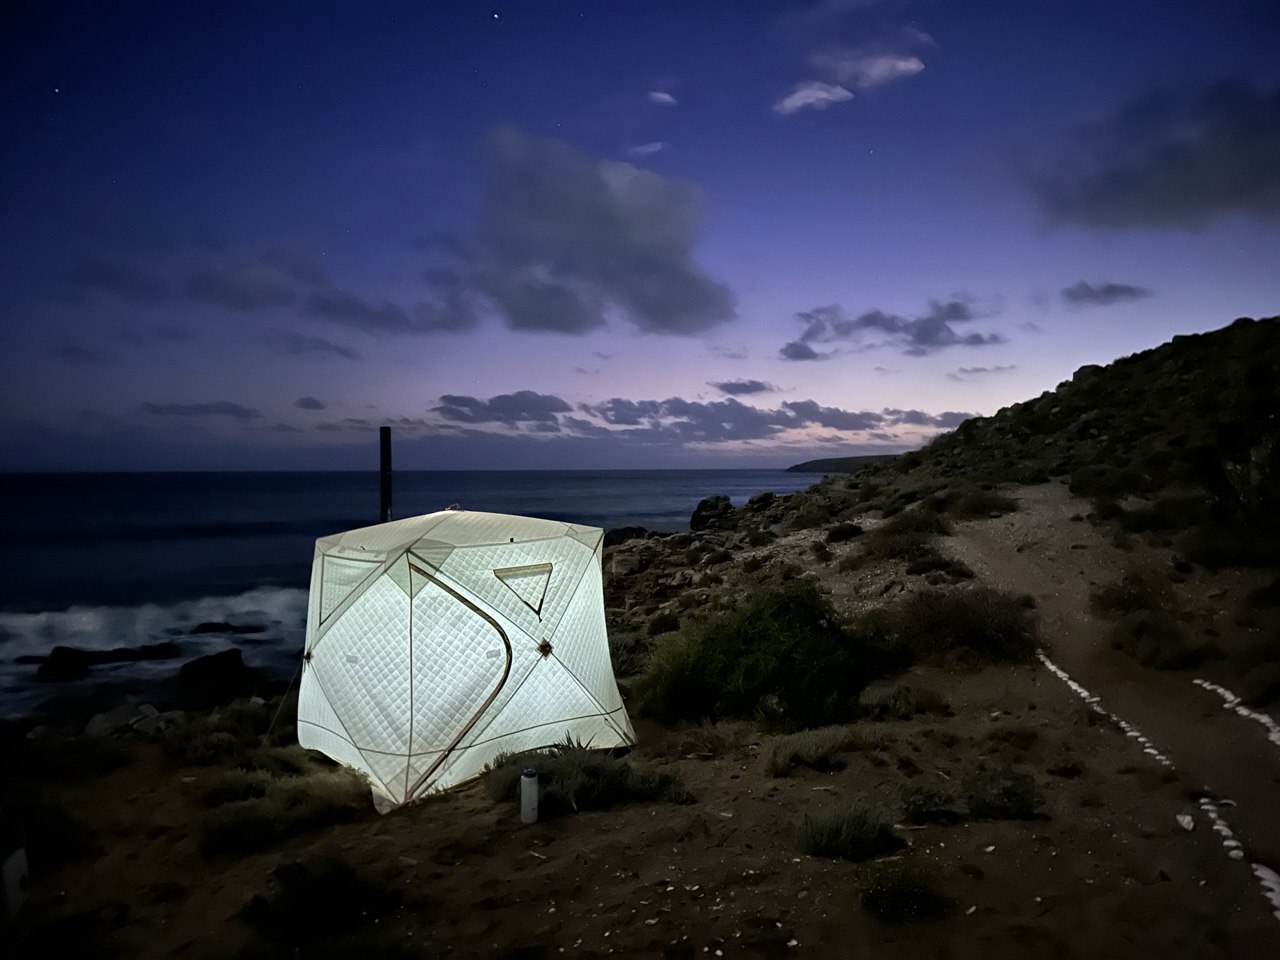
(529, 796)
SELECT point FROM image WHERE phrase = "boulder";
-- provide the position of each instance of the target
(118, 718)
(72, 663)
(714, 511)
(619, 535)
(217, 678)
(64, 663)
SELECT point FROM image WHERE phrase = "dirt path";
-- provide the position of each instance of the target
(1039, 550)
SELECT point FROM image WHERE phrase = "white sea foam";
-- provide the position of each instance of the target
(281, 610)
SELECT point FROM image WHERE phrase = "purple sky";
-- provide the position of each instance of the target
(608, 234)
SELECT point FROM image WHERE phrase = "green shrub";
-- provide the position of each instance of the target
(290, 807)
(783, 657)
(842, 532)
(899, 701)
(849, 832)
(316, 900)
(924, 804)
(1003, 795)
(1217, 546)
(665, 622)
(981, 503)
(1105, 480)
(899, 897)
(235, 785)
(815, 749)
(948, 569)
(572, 778)
(985, 625)
(1146, 625)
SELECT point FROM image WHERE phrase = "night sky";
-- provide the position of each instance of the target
(609, 233)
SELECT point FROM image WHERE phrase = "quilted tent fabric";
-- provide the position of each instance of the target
(435, 643)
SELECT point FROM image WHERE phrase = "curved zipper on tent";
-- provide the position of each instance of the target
(506, 672)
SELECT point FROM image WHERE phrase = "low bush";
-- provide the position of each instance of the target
(898, 701)
(1145, 622)
(981, 503)
(236, 785)
(899, 897)
(981, 624)
(849, 832)
(665, 622)
(923, 804)
(317, 899)
(821, 552)
(289, 807)
(782, 657)
(1218, 546)
(842, 532)
(572, 778)
(948, 570)
(1003, 795)
(814, 749)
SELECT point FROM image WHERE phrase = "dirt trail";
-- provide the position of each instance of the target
(1039, 550)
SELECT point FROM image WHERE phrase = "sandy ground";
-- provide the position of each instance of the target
(1107, 871)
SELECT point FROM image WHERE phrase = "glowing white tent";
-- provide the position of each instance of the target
(436, 642)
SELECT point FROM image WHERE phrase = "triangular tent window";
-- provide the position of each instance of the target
(528, 582)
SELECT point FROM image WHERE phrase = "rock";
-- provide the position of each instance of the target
(219, 626)
(64, 663)
(761, 501)
(119, 718)
(714, 511)
(217, 678)
(159, 722)
(622, 534)
(72, 663)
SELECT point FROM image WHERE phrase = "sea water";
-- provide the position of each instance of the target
(124, 559)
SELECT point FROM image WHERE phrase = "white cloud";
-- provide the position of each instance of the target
(647, 149)
(662, 97)
(813, 94)
(863, 70)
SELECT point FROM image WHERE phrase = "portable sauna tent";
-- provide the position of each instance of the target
(435, 643)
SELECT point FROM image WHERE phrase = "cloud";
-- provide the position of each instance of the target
(349, 309)
(84, 356)
(648, 149)
(1084, 294)
(217, 408)
(523, 406)
(741, 388)
(813, 94)
(966, 373)
(811, 412)
(129, 281)
(796, 350)
(1171, 161)
(243, 286)
(919, 418)
(861, 69)
(286, 343)
(296, 266)
(913, 336)
(308, 403)
(662, 97)
(564, 241)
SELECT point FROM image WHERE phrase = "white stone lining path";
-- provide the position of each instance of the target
(1233, 702)
(1268, 879)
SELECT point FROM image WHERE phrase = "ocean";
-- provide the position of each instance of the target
(122, 559)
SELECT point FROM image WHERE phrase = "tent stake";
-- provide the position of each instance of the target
(384, 479)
